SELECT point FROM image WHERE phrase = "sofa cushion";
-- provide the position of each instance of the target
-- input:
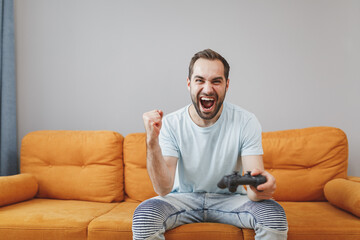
(206, 231)
(79, 165)
(307, 220)
(304, 160)
(320, 221)
(138, 185)
(49, 219)
(17, 188)
(116, 224)
(317, 221)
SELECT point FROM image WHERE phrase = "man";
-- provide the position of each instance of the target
(190, 150)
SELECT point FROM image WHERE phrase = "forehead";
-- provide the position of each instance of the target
(208, 68)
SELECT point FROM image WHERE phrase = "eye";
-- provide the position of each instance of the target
(217, 82)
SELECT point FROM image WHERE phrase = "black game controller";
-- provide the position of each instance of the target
(232, 181)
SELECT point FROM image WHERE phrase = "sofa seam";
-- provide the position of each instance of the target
(88, 224)
(24, 228)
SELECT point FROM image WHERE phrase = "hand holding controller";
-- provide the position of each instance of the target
(232, 181)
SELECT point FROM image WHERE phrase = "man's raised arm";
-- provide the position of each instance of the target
(161, 169)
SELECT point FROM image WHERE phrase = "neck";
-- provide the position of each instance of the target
(203, 122)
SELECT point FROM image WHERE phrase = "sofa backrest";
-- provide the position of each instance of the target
(301, 160)
(137, 182)
(304, 160)
(78, 165)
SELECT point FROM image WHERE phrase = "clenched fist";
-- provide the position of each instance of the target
(153, 123)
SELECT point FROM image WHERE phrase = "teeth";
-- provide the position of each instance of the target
(207, 99)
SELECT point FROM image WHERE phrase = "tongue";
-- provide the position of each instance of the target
(207, 104)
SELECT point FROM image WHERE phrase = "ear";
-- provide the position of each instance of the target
(227, 83)
(188, 83)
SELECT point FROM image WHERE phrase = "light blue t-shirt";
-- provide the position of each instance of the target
(206, 154)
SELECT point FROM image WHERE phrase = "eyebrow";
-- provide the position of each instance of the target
(216, 78)
(198, 76)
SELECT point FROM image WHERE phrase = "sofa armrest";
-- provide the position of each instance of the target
(17, 188)
(344, 194)
(354, 179)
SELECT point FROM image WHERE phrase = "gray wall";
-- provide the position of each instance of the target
(88, 65)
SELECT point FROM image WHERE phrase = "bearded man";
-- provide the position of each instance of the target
(190, 150)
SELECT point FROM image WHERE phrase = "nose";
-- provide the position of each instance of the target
(208, 88)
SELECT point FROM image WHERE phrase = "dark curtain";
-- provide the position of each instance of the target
(8, 132)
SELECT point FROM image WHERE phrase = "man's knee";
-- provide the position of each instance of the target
(268, 213)
(149, 218)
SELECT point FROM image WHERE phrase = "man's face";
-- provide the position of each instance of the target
(208, 87)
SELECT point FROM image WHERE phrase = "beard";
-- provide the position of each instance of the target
(201, 108)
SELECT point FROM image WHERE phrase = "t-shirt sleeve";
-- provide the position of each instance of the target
(167, 140)
(252, 138)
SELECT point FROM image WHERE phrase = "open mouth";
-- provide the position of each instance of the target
(207, 103)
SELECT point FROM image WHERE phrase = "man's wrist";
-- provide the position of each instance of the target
(151, 142)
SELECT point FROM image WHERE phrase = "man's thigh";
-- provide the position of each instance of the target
(189, 208)
(223, 208)
(240, 211)
(164, 213)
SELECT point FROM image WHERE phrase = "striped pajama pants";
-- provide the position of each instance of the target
(156, 215)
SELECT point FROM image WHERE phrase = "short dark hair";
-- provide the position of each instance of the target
(210, 55)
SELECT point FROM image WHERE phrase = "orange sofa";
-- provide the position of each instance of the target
(87, 184)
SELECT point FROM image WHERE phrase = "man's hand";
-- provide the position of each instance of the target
(153, 123)
(265, 190)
